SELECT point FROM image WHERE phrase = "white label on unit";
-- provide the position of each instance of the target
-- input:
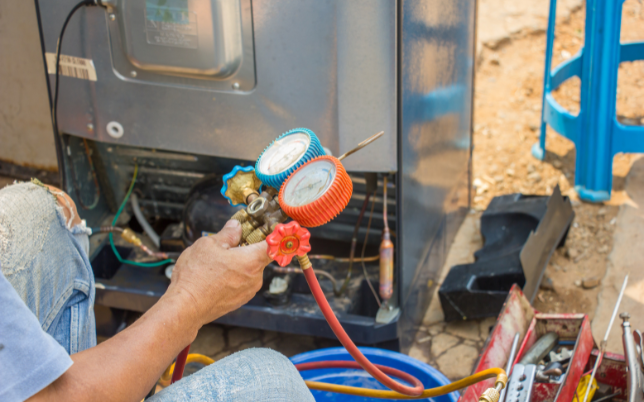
(71, 66)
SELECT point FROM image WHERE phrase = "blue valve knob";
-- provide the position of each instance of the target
(240, 183)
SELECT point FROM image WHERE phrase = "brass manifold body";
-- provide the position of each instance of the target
(260, 216)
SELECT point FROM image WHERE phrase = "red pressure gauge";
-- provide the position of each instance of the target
(316, 192)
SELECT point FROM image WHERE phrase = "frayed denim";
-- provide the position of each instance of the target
(46, 261)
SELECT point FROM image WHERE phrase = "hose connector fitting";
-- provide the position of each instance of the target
(493, 394)
(255, 236)
(129, 236)
(501, 381)
(490, 395)
(304, 261)
(241, 216)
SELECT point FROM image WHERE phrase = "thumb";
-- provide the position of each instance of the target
(230, 234)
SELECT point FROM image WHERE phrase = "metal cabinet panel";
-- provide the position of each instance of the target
(326, 65)
(436, 87)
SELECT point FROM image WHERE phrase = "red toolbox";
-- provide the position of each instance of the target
(519, 316)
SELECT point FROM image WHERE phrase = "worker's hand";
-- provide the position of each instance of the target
(216, 276)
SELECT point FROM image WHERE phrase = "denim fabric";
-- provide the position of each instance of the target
(30, 359)
(46, 263)
(250, 375)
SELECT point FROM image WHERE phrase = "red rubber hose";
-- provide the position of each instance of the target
(353, 350)
(379, 372)
(354, 365)
(180, 365)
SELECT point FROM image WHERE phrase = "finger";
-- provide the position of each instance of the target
(253, 255)
(230, 235)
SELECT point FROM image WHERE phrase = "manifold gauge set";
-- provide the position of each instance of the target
(293, 178)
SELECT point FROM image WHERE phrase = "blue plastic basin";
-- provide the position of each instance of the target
(429, 376)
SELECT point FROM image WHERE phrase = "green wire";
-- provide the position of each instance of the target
(116, 217)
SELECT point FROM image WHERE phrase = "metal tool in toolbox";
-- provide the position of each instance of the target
(572, 333)
(634, 354)
(521, 383)
(619, 377)
(602, 347)
(508, 366)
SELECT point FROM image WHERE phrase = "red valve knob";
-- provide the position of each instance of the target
(287, 241)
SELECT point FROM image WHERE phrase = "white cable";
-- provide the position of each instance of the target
(143, 222)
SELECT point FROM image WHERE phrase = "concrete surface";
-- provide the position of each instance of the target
(26, 135)
(627, 258)
(453, 348)
(466, 242)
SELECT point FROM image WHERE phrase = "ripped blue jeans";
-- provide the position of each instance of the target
(46, 261)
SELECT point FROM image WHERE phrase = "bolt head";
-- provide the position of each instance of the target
(133, 74)
(236, 85)
(112, 17)
(90, 128)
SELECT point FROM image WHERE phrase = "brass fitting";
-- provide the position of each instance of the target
(256, 236)
(490, 395)
(271, 191)
(242, 186)
(501, 381)
(305, 263)
(247, 229)
(258, 207)
(129, 236)
(241, 216)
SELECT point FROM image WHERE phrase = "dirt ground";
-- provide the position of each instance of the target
(507, 116)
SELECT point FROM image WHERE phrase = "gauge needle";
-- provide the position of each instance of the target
(310, 186)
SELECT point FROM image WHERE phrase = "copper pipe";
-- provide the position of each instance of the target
(160, 255)
(293, 270)
(364, 247)
(343, 259)
(386, 254)
(107, 229)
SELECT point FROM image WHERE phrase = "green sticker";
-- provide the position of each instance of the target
(172, 11)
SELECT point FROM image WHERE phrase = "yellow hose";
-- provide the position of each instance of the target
(499, 373)
(165, 379)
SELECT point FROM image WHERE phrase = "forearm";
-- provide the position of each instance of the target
(125, 367)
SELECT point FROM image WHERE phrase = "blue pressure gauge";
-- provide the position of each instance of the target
(284, 155)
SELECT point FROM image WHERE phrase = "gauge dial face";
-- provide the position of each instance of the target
(309, 183)
(284, 153)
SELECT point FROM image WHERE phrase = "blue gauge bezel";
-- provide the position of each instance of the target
(314, 150)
